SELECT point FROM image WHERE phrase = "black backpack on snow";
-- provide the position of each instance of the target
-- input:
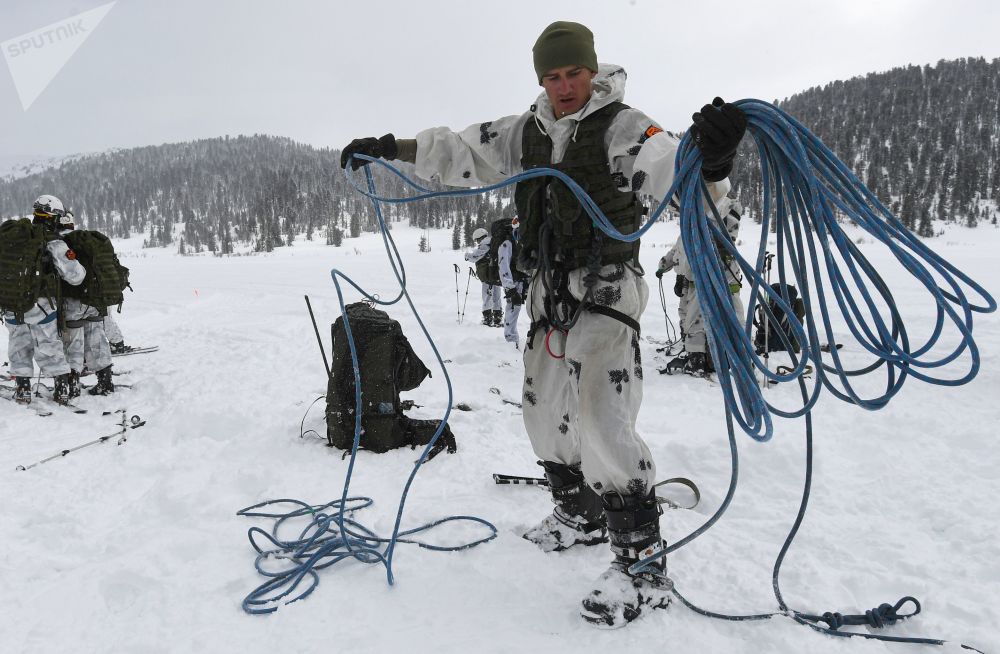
(767, 338)
(387, 365)
(500, 230)
(106, 278)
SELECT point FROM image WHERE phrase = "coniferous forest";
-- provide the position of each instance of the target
(925, 139)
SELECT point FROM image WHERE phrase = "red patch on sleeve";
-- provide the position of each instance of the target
(70, 254)
(651, 130)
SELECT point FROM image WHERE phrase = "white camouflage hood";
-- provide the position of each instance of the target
(609, 86)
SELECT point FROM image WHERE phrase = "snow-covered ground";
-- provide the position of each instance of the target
(137, 548)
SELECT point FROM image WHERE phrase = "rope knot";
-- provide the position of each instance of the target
(884, 615)
(834, 620)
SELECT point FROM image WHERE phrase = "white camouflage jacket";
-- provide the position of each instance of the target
(480, 251)
(731, 211)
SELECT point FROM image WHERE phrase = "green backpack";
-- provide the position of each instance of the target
(388, 365)
(106, 278)
(500, 230)
(25, 275)
(767, 338)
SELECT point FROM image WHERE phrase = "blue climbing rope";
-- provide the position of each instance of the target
(331, 534)
(807, 192)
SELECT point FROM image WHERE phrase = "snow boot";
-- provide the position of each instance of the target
(22, 394)
(676, 365)
(60, 390)
(699, 365)
(619, 597)
(488, 318)
(120, 348)
(104, 384)
(498, 318)
(578, 518)
(74, 384)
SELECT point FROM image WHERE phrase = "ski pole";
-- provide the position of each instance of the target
(465, 303)
(458, 309)
(672, 338)
(319, 340)
(126, 424)
(768, 257)
(516, 480)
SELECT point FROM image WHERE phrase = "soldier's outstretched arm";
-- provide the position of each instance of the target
(481, 154)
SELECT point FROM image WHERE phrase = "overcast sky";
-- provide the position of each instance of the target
(324, 72)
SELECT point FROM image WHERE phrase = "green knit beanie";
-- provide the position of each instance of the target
(564, 44)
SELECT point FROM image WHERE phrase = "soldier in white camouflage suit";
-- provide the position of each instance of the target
(36, 337)
(84, 338)
(582, 374)
(492, 313)
(513, 287)
(695, 359)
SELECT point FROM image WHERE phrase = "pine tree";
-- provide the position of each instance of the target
(424, 246)
(456, 236)
(925, 228)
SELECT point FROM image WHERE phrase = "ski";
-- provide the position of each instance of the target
(496, 391)
(47, 402)
(123, 428)
(114, 373)
(785, 370)
(117, 386)
(136, 350)
(39, 411)
(517, 480)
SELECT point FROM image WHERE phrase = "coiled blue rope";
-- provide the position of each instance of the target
(331, 534)
(805, 185)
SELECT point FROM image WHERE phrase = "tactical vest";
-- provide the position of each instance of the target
(26, 272)
(483, 268)
(574, 239)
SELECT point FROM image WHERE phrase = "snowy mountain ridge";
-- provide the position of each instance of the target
(926, 139)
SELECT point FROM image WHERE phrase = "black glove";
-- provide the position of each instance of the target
(383, 148)
(680, 285)
(717, 131)
(515, 298)
(659, 273)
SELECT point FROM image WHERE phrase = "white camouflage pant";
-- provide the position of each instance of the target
(491, 297)
(39, 343)
(581, 408)
(111, 329)
(87, 345)
(692, 321)
(510, 316)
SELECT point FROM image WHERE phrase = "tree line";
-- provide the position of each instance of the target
(925, 139)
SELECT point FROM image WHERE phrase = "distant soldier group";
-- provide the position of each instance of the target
(56, 285)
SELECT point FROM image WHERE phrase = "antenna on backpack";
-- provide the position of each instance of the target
(319, 340)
